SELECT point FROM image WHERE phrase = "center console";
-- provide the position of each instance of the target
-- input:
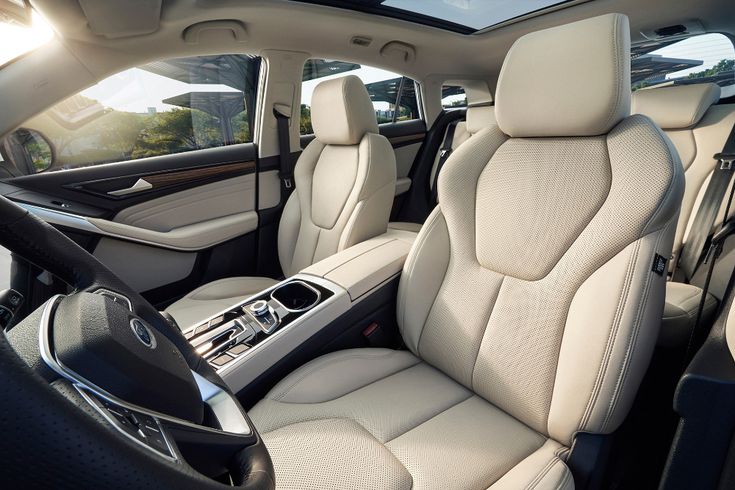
(230, 335)
(244, 341)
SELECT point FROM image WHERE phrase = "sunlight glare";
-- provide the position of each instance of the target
(16, 40)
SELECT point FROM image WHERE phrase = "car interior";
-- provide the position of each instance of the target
(367, 244)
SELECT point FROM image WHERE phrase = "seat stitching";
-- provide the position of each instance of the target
(412, 266)
(540, 475)
(600, 372)
(325, 362)
(624, 371)
(471, 395)
(564, 480)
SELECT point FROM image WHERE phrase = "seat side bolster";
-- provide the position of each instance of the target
(541, 470)
(369, 217)
(423, 275)
(611, 329)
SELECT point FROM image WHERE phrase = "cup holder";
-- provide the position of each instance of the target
(296, 296)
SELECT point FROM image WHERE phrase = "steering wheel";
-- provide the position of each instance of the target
(100, 390)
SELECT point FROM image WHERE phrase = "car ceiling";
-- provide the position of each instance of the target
(296, 26)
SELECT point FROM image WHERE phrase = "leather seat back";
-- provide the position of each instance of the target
(345, 179)
(532, 283)
(698, 130)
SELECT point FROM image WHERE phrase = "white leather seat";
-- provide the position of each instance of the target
(478, 117)
(698, 129)
(345, 181)
(528, 302)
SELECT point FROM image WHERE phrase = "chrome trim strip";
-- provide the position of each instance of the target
(82, 391)
(217, 401)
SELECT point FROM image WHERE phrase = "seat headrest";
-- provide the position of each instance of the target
(571, 80)
(676, 107)
(341, 111)
(480, 117)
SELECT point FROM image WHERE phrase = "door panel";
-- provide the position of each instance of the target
(169, 238)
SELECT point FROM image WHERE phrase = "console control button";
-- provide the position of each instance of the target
(221, 360)
(238, 349)
(259, 308)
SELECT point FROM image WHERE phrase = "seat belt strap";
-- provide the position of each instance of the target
(444, 152)
(691, 254)
(284, 152)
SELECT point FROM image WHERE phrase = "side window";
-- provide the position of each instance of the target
(453, 96)
(696, 59)
(161, 108)
(394, 96)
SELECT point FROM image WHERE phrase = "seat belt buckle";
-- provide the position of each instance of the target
(287, 183)
(726, 160)
(444, 152)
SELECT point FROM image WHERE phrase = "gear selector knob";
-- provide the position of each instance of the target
(258, 308)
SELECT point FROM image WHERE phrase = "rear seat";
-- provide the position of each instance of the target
(477, 118)
(698, 129)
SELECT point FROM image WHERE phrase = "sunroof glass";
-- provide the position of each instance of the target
(476, 14)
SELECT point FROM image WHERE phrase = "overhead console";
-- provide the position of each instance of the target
(243, 342)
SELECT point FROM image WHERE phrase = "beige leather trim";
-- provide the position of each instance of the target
(541, 470)
(269, 192)
(195, 205)
(187, 238)
(675, 107)
(364, 266)
(142, 267)
(402, 185)
(341, 111)
(571, 98)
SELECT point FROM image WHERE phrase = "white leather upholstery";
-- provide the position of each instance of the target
(676, 107)
(516, 344)
(341, 111)
(698, 130)
(343, 196)
(345, 180)
(680, 313)
(213, 297)
(566, 87)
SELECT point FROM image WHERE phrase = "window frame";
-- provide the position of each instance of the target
(251, 103)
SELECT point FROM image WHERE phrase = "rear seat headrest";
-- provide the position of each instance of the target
(480, 117)
(571, 80)
(341, 111)
(677, 107)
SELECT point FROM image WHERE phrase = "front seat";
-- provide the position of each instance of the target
(530, 302)
(345, 182)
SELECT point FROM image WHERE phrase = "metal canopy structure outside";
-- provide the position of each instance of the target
(222, 105)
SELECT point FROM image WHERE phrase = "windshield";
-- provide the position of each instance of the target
(17, 39)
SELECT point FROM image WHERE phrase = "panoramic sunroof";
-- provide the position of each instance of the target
(476, 14)
(465, 16)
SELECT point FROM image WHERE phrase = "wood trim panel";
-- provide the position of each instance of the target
(164, 179)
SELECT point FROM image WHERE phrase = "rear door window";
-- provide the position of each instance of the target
(393, 95)
(706, 58)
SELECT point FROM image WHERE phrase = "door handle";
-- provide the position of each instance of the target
(139, 186)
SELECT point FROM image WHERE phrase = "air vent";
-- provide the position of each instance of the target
(361, 41)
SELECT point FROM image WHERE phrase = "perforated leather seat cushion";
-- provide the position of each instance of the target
(378, 418)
